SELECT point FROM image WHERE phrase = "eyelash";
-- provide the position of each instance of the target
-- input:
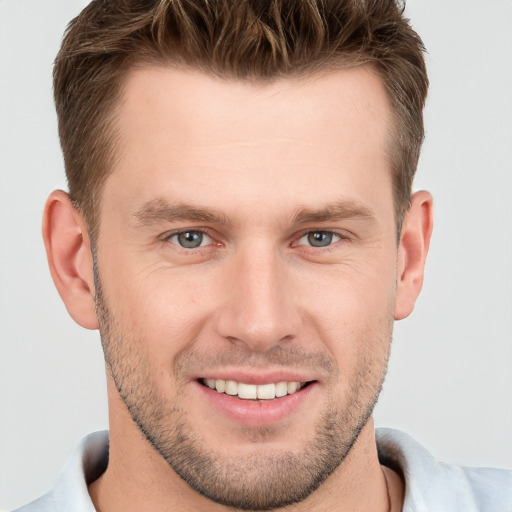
(169, 236)
(334, 234)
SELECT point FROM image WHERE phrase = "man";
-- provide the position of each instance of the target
(240, 227)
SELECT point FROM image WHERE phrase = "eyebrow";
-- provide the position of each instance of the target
(347, 209)
(159, 210)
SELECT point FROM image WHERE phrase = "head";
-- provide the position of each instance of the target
(255, 41)
(238, 174)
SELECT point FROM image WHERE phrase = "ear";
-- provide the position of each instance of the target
(69, 256)
(412, 253)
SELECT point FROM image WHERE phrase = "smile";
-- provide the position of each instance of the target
(253, 391)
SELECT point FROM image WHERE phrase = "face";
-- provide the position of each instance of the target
(246, 275)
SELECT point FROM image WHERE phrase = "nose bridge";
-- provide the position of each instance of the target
(259, 311)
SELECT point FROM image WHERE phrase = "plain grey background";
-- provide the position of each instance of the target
(450, 379)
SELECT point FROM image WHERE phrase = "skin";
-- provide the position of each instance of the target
(257, 168)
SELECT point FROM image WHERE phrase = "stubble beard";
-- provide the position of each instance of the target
(260, 481)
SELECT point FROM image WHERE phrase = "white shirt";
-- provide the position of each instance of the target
(430, 486)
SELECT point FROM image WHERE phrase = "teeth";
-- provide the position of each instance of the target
(281, 389)
(231, 387)
(253, 391)
(266, 391)
(292, 387)
(247, 391)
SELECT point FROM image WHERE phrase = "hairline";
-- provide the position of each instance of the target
(313, 71)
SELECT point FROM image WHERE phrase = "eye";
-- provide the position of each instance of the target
(319, 238)
(190, 239)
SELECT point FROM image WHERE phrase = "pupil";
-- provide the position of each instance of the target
(320, 238)
(190, 239)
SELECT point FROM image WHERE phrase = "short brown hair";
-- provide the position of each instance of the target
(237, 39)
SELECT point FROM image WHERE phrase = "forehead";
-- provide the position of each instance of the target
(197, 104)
(183, 130)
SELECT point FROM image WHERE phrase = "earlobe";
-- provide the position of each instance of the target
(69, 257)
(412, 253)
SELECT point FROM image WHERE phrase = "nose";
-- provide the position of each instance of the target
(260, 309)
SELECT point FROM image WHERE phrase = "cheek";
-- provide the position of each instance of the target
(352, 312)
(158, 310)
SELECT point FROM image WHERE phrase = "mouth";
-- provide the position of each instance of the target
(268, 391)
(260, 400)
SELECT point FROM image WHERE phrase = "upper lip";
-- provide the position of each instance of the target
(252, 376)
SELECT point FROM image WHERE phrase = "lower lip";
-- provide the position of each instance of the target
(254, 413)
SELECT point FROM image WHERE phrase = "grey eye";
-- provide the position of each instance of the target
(319, 238)
(190, 239)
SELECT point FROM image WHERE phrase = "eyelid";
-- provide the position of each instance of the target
(341, 236)
(167, 237)
(169, 234)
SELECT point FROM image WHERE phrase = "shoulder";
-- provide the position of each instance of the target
(45, 503)
(85, 464)
(432, 486)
